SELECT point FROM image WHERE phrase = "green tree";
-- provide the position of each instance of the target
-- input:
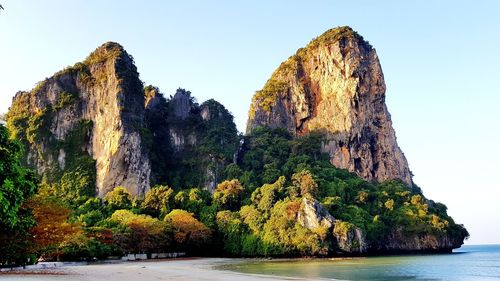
(265, 196)
(228, 194)
(119, 198)
(232, 230)
(17, 184)
(282, 234)
(90, 213)
(197, 200)
(233, 171)
(305, 182)
(158, 200)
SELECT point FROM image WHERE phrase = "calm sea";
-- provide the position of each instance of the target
(469, 263)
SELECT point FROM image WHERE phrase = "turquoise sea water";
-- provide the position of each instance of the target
(469, 263)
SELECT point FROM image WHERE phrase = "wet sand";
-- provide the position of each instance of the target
(176, 269)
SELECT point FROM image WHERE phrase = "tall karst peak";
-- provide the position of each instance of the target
(108, 50)
(87, 117)
(335, 85)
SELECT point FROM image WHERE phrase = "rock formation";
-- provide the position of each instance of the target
(99, 114)
(335, 86)
(192, 143)
(349, 239)
(313, 215)
(104, 90)
(93, 127)
(398, 241)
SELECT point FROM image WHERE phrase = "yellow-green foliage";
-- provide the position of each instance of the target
(342, 228)
(39, 125)
(330, 36)
(278, 84)
(158, 200)
(305, 182)
(227, 218)
(18, 116)
(107, 51)
(187, 229)
(126, 217)
(232, 229)
(228, 194)
(140, 233)
(362, 197)
(65, 99)
(266, 97)
(265, 196)
(119, 198)
(253, 218)
(39, 86)
(439, 223)
(284, 234)
(389, 204)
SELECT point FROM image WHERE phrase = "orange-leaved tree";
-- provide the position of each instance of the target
(140, 233)
(52, 231)
(189, 233)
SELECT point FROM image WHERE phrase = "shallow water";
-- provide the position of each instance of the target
(469, 263)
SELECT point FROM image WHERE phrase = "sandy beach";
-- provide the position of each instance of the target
(178, 269)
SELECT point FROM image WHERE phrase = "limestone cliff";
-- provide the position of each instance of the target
(314, 215)
(96, 118)
(103, 92)
(347, 239)
(335, 85)
(398, 241)
(202, 140)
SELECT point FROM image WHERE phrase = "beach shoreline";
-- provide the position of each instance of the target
(172, 269)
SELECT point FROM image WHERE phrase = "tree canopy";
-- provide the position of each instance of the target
(17, 184)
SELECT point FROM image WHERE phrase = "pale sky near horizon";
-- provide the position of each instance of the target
(440, 60)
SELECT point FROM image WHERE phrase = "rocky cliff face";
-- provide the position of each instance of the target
(399, 242)
(103, 91)
(96, 118)
(313, 215)
(347, 239)
(203, 140)
(335, 85)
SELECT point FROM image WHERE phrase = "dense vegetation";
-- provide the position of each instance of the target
(16, 186)
(255, 211)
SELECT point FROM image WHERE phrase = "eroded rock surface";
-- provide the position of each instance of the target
(335, 85)
(104, 91)
(313, 215)
(349, 238)
(398, 241)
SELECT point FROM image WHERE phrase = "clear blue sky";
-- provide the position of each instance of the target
(440, 59)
